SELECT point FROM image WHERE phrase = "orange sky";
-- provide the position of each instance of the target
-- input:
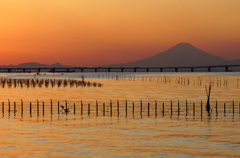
(99, 32)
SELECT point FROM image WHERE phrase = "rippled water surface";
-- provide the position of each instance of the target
(151, 126)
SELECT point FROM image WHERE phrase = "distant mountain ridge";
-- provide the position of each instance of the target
(181, 55)
(35, 65)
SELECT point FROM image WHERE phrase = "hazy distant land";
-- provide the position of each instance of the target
(182, 54)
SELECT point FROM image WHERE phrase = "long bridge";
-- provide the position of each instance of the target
(225, 68)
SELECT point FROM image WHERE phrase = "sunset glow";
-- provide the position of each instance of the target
(93, 33)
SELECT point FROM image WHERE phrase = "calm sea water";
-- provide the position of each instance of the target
(129, 134)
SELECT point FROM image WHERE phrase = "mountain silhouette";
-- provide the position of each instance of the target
(35, 65)
(182, 54)
(234, 62)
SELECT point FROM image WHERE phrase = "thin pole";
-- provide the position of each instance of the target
(96, 108)
(163, 108)
(155, 108)
(216, 108)
(58, 107)
(51, 107)
(66, 107)
(148, 109)
(171, 107)
(186, 108)
(30, 109)
(110, 108)
(224, 109)
(178, 107)
(233, 107)
(37, 108)
(9, 107)
(22, 107)
(133, 108)
(103, 109)
(118, 107)
(74, 108)
(193, 109)
(81, 108)
(3, 108)
(14, 108)
(141, 107)
(201, 107)
(88, 109)
(126, 107)
(43, 108)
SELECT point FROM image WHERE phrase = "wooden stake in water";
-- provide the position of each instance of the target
(81, 108)
(9, 108)
(22, 107)
(155, 108)
(148, 109)
(216, 108)
(103, 109)
(111, 108)
(186, 108)
(126, 107)
(118, 107)
(37, 108)
(171, 107)
(3, 108)
(141, 107)
(14, 108)
(178, 107)
(193, 109)
(30, 108)
(96, 108)
(66, 107)
(51, 107)
(58, 107)
(201, 107)
(224, 109)
(88, 109)
(233, 107)
(163, 108)
(133, 108)
(74, 108)
(43, 108)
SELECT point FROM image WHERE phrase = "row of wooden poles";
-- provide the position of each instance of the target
(66, 109)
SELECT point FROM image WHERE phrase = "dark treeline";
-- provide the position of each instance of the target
(47, 83)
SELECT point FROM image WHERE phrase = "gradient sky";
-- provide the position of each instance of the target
(100, 32)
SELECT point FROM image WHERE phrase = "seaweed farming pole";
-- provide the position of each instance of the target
(111, 108)
(201, 108)
(171, 107)
(224, 109)
(21, 107)
(141, 107)
(103, 109)
(126, 108)
(216, 108)
(133, 108)
(58, 107)
(88, 109)
(178, 107)
(37, 108)
(43, 108)
(193, 109)
(233, 107)
(81, 107)
(74, 108)
(155, 108)
(118, 107)
(186, 108)
(148, 109)
(3, 108)
(66, 109)
(96, 108)
(51, 107)
(30, 109)
(14, 108)
(163, 108)
(9, 107)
